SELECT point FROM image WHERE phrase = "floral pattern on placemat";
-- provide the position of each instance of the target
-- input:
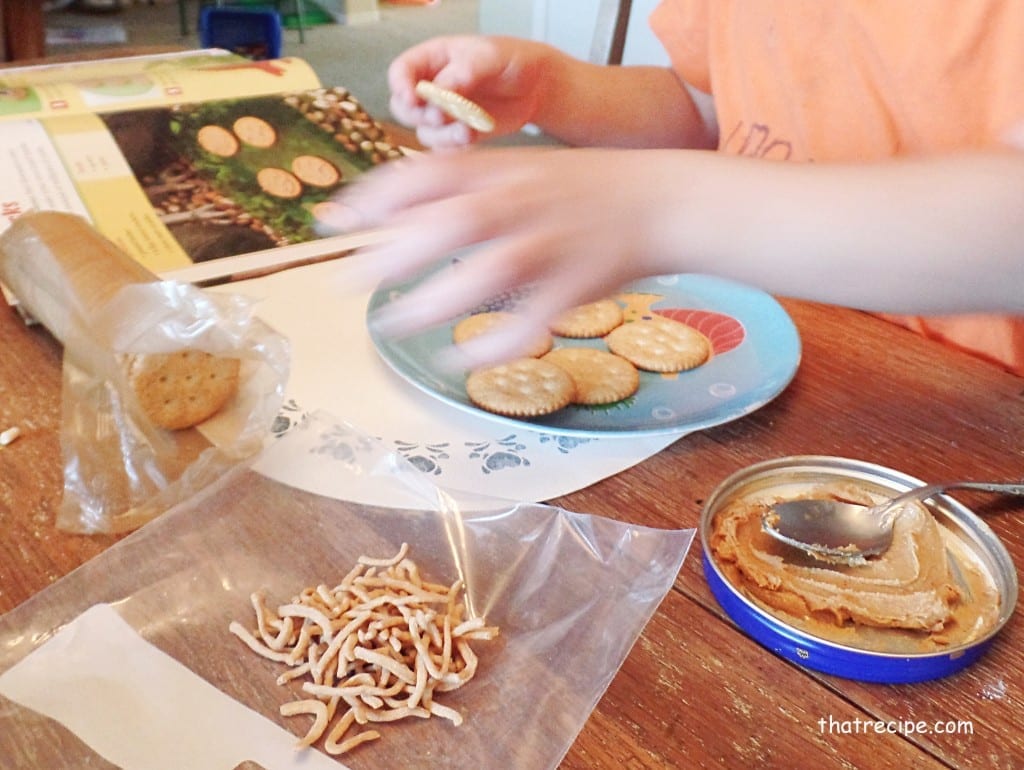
(487, 455)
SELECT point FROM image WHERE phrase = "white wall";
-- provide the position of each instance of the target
(569, 24)
(507, 17)
(642, 47)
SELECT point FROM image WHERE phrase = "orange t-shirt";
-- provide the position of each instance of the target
(839, 80)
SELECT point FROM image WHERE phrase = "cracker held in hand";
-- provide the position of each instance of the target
(600, 377)
(456, 106)
(660, 345)
(180, 390)
(524, 387)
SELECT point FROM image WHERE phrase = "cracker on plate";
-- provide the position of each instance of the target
(599, 377)
(483, 323)
(523, 387)
(594, 319)
(660, 345)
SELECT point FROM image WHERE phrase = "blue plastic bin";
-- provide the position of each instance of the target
(250, 31)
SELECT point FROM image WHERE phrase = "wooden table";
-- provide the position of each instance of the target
(695, 691)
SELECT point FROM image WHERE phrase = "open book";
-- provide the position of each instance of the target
(203, 165)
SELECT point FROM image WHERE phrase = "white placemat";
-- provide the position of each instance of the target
(336, 369)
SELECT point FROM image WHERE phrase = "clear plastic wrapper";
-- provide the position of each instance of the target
(121, 469)
(116, 480)
(570, 593)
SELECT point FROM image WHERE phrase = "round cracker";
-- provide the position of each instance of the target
(599, 377)
(179, 390)
(483, 323)
(315, 171)
(254, 131)
(594, 319)
(456, 106)
(279, 182)
(523, 387)
(217, 140)
(660, 345)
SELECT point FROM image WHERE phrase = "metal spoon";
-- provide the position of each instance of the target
(848, 533)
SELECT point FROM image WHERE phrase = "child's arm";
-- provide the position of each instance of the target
(929, 236)
(522, 81)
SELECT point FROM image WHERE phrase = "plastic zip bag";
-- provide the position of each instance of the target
(570, 593)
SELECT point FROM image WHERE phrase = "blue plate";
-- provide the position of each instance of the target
(756, 354)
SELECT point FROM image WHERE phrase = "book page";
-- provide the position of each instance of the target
(108, 85)
(200, 185)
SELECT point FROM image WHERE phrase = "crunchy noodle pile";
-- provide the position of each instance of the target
(375, 648)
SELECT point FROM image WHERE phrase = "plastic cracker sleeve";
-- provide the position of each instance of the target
(58, 266)
(130, 450)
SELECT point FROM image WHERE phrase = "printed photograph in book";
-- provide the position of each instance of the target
(232, 177)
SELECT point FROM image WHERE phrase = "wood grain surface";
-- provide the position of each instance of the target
(694, 691)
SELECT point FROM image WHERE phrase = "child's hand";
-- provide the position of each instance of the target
(503, 75)
(573, 225)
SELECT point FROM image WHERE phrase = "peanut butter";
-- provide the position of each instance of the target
(925, 593)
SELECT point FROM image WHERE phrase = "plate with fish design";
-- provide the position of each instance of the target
(755, 354)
